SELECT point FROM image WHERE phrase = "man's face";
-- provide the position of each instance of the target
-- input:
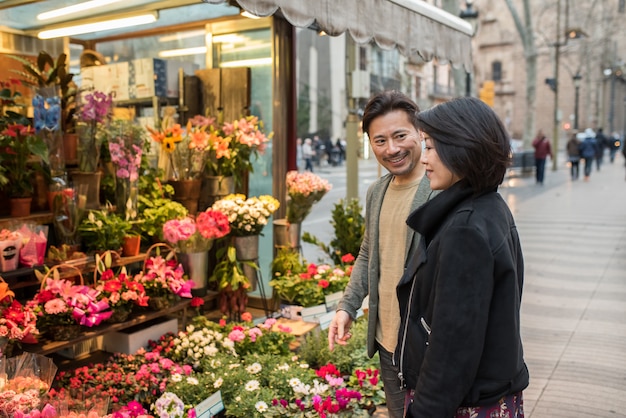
(396, 145)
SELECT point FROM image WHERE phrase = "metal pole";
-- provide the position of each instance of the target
(352, 126)
(576, 108)
(555, 134)
(468, 84)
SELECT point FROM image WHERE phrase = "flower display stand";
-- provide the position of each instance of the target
(214, 188)
(196, 265)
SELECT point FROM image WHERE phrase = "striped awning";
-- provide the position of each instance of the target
(412, 26)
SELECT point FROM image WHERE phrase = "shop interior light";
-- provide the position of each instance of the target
(255, 62)
(249, 15)
(124, 22)
(76, 8)
(182, 52)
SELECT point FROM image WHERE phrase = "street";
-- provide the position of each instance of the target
(573, 236)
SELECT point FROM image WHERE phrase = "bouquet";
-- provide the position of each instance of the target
(187, 149)
(164, 278)
(303, 191)
(247, 216)
(121, 291)
(309, 288)
(61, 303)
(17, 323)
(93, 117)
(191, 235)
(233, 144)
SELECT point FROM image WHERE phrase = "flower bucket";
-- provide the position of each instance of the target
(187, 193)
(214, 188)
(63, 332)
(287, 234)
(196, 266)
(119, 315)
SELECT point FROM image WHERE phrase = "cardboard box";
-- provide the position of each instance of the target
(147, 78)
(129, 340)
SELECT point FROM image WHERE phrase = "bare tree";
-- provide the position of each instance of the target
(527, 35)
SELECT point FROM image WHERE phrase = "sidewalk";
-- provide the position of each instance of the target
(574, 304)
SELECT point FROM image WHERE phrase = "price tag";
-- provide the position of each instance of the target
(211, 406)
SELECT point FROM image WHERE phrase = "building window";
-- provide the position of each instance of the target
(496, 71)
(418, 87)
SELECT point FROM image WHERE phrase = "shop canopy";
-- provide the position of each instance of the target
(413, 26)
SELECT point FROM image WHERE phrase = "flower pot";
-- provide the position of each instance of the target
(158, 303)
(187, 192)
(20, 206)
(88, 184)
(132, 245)
(196, 266)
(287, 235)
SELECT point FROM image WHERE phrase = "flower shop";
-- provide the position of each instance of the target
(123, 296)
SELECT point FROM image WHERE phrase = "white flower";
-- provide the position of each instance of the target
(319, 388)
(192, 380)
(294, 381)
(284, 367)
(218, 383)
(254, 368)
(261, 406)
(177, 377)
(252, 385)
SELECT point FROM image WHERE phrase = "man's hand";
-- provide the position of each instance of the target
(339, 330)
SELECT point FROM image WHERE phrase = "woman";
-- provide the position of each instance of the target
(459, 347)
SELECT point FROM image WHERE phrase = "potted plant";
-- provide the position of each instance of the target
(103, 230)
(17, 144)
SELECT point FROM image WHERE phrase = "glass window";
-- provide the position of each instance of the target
(496, 71)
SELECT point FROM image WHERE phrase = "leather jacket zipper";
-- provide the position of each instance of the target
(404, 333)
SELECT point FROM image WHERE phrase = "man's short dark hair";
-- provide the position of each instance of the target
(470, 140)
(388, 101)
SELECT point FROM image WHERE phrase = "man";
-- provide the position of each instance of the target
(542, 151)
(390, 122)
(601, 144)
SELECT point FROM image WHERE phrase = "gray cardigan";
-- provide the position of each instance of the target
(366, 271)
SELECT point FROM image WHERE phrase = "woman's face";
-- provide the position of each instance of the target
(439, 175)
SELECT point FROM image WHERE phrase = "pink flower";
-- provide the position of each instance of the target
(236, 335)
(55, 306)
(254, 333)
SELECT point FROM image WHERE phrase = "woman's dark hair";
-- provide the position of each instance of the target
(388, 101)
(470, 139)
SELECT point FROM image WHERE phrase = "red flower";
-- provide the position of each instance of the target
(196, 302)
(347, 258)
(323, 283)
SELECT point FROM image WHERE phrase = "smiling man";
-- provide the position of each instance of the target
(389, 120)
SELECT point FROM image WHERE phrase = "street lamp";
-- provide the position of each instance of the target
(470, 14)
(577, 78)
(554, 82)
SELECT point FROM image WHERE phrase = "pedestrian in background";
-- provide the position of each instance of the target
(308, 153)
(588, 151)
(542, 151)
(573, 154)
(601, 144)
(614, 146)
(460, 348)
(389, 120)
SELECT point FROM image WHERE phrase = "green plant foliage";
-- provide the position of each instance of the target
(349, 226)
(103, 230)
(347, 358)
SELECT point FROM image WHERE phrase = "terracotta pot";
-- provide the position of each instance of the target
(132, 244)
(20, 206)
